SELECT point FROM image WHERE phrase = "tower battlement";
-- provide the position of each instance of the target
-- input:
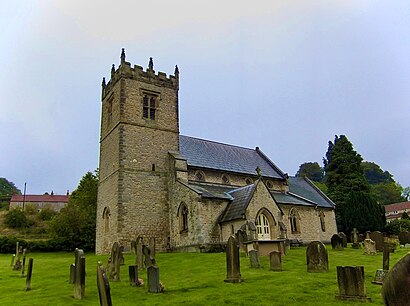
(137, 73)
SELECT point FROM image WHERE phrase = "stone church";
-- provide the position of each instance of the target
(190, 194)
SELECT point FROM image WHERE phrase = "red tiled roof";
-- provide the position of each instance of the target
(39, 198)
(397, 206)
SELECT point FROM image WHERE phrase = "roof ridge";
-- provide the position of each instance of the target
(218, 142)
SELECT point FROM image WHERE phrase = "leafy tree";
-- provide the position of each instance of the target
(7, 187)
(16, 218)
(387, 193)
(348, 188)
(312, 170)
(397, 226)
(375, 175)
(74, 226)
(406, 193)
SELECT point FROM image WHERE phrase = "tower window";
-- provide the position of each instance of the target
(149, 107)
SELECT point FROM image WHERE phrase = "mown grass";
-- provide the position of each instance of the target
(193, 279)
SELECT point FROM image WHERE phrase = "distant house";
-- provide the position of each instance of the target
(53, 201)
(394, 211)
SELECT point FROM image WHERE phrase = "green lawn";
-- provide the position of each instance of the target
(193, 279)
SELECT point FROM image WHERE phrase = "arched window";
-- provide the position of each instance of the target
(322, 221)
(262, 227)
(294, 221)
(106, 218)
(183, 218)
(200, 176)
(225, 179)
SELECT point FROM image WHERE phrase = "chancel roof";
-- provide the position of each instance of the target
(240, 200)
(223, 157)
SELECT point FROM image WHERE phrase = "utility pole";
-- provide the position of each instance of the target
(24, 195)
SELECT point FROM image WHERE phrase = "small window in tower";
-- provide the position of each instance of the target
(153, 167)
(149, 106)
(152, 108)
(145, 107)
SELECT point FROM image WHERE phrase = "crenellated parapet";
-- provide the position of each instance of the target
(138, 73)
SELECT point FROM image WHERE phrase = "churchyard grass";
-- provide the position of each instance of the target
(193, 279)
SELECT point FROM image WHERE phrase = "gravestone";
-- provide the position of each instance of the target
(148, 259)
(241, 238)
(316, 257)
(79, 278)
(133, 274)
(275, 261)
(233, 271)
(254, 259)
(17, 264)
(152, 246)
(351, 283)
(368, 234)
(29, 273)
(379, 277)
(114, 262)
(404, 237)
(121, 257)
(361, 237)
(344, 239)
(154, 284)
(134, 247)
(103, 286)
(369, 247)
(23, 266)
(379, 239)
(355, 239)
(386, 257)
(72, 274)
(12, 259)
(139, 254)
(337, 242)
(396, 284)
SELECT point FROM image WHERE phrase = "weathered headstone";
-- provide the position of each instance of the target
(72, 274)
(152, 246)
(23, 266)
(103, 286)
(367, 235)
(361, 237)
(12, 260)
(233, 271)
(351, 283)
(133, 274)
(275, 261)
(79, 279)
(134, 247)
(344, 239)
(154, 284)
(148, 259)
(316, 257)
(379, 277)
(17, 264)
(337, 242)
(139, 254)
(254, 259)
(386, 258)
(121, 256)
(369, 247)
(355, 239)
(379, 239)
(114, 262)
(404, 237)
(241, 238)
(396, 284)
(29, 273)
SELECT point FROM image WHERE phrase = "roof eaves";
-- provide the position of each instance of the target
(320, 192)
(271, 163)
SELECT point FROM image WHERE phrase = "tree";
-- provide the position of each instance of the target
(387, 193)
(375, 175)
(348, 188)
(312, 170)
(406, 193)
(16, 218)
(7, 187)
(74, 226)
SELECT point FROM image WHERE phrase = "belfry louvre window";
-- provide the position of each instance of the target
(149, 106)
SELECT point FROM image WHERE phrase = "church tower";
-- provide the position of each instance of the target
(139, 125)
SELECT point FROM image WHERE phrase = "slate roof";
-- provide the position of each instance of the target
(304, 188)
(287, 198)
(236, 209)
(212, 191)
(219, 156)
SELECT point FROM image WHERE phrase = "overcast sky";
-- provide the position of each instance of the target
(286, 76)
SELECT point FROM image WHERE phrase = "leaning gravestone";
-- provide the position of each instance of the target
(12, 260)
(344, 239)
(316, 257)
(79, 278)
(379, 239)
(29, 273)
(154, 284)
(275, 261)
(17, 264)
(404, 237)
(254, 259)
(72, 274)
(23, 266)
(139, 254)
(233, 270)
(114, 262)
(396, 284)
(133, 274)
(103, 286)
(337, 242)
(351, 283)
(369, 247)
